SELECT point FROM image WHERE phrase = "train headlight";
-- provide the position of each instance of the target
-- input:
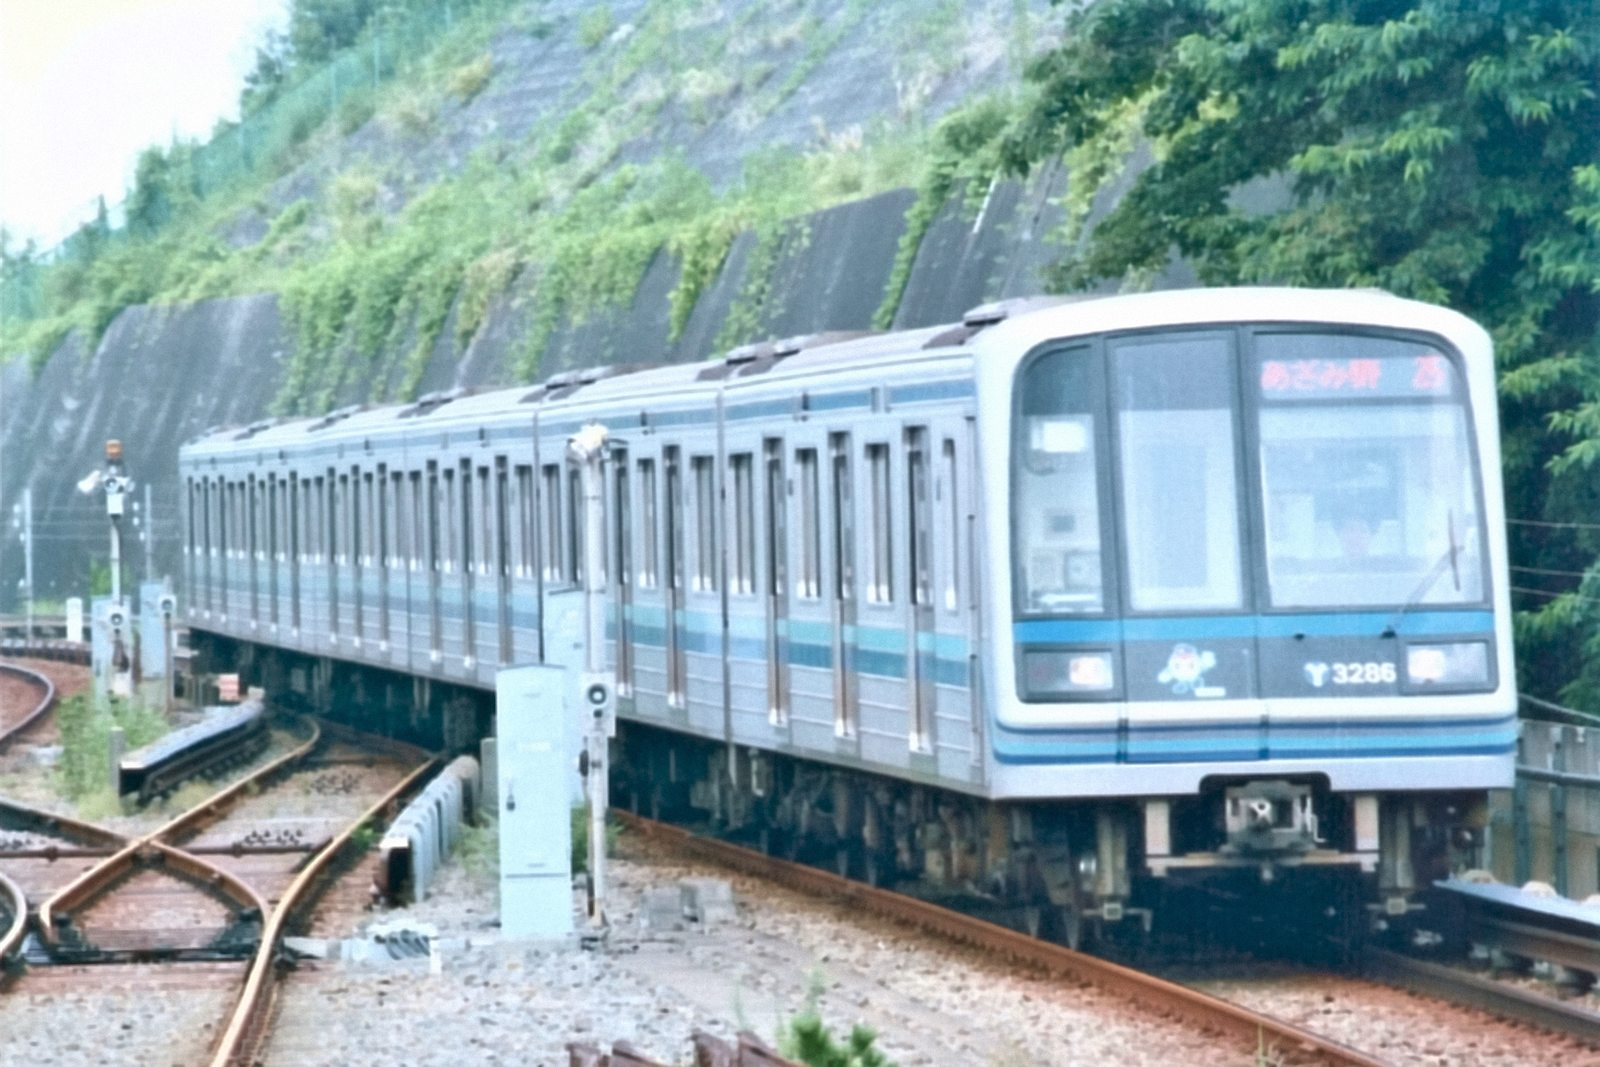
(1061, 672)
(1459, 663)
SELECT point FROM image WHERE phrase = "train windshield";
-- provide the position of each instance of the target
(1366, 471)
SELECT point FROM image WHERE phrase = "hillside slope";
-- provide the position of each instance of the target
(543, 220)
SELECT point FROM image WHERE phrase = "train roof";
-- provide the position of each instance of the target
(778, 363)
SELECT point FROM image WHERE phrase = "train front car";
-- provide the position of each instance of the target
(1257, 623)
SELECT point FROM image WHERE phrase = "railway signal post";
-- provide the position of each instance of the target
(587, 449)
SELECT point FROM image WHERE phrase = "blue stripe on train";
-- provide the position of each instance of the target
(1346, 624)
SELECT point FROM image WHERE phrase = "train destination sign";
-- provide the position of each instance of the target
(1429, 375)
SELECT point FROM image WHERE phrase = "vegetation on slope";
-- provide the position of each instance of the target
(376, 268)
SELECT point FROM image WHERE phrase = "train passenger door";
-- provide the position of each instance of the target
(677, 656)
(922, 644)
(622, 567)
(776, 536)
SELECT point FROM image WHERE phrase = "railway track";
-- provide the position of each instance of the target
(27, 689)
(1450, 983)
(1254, 1032)
(209, 894)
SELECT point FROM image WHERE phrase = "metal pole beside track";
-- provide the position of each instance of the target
(587, 448)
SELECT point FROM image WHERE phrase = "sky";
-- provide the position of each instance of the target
(86, 85)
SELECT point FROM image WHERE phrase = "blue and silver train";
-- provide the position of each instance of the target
(1062, 603)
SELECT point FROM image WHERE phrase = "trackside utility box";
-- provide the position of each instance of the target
(535, 809)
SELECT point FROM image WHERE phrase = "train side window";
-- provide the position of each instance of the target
(622, 503)
(308, 525)
(324, 519)
(844, 522)
(673, 513)
(705, 531)
(880, 579)
(952, 513)
(576, 564)
(919, 514)
(269, 497)
(550, 504)
(443, 547)
(1177, 449)
(744, 524)
(360, 516)
(502, 519)
(649, 527)
(1056, 505)
(808, 582)
(224, 523)
(369, 489)
(253, 501)
(353, 529)
(418, 501)
(777, 531)
(432, 525)
(399, 549)
(525, 521)
(465, 544)
(490, 553)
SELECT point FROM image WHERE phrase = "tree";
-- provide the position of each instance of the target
(1441, 149)
(320, 28)
(265, 81)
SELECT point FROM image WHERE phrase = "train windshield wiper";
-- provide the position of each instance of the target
(1451, 558)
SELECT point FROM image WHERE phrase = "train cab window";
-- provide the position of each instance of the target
(649, 527)
(1367, 476)
(742, 470)
(1056, 485)
(880, 579)
(705, 526)
(808, 581)
(1176, 440)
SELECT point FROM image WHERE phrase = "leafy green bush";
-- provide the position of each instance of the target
(806, 1038)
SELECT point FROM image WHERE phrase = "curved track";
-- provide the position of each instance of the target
(1253, 1031)
(15, 724)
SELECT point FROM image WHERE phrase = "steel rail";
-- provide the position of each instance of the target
(1485, 994)
(10, 733)
(11, 940)
(102, 875)
(1252, 1030)
(248, 1025)
(58, 825)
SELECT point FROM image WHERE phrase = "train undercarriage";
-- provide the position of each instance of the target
(1071, 870)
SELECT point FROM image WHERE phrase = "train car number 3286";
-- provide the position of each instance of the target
(1320, 674)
